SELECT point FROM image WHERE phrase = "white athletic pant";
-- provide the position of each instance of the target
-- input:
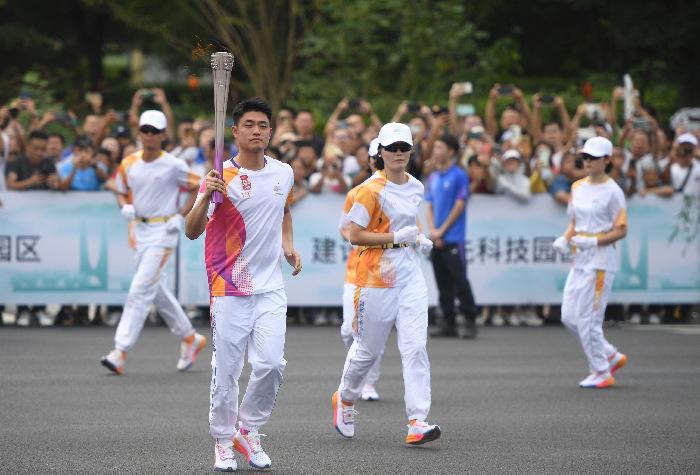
(377, 310)
(148, 287)
(256, 322)
(346, 332)
(583, 310)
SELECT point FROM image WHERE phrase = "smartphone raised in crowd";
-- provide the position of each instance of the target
(504, 90)
(547, 99)
(464, 110)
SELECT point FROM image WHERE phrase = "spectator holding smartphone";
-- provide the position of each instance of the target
(330, 179)
(508, 177)
(83, 172)
(684, 169)
(517, 114)
(556, 131)
(32, 171)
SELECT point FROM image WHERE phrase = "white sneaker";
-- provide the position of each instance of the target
(617, 361)
(497, 320)
(320, 319)
(114, 361)
(419, 432)
(225, 459)
(654, 319)
(189, 351)
(249, 445)
(636, 318)
(44, 319)
(369, 393)
(598, 381)
(112, 318)
(24, 319)
(343, 416)
(514, 320)
(531, 319)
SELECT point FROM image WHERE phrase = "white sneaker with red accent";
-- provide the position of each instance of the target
(420, 432)
(189, 351)
(248, 444)
(617, 361)
(224, 458)
(114, 361)
(343, 416)
(598, 381)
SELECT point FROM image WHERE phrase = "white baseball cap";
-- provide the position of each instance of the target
(687, 138)
(512, 154)
(153, 118)
(395, 132)
(373, 148)
(598, 147)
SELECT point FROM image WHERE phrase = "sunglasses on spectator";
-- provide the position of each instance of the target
(585, 157)
(149, 130)
(398, 147)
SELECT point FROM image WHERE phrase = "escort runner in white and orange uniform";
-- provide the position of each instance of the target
(148, 184)
(390, 288)
(246, 236)
(369, 391)
(598, 217)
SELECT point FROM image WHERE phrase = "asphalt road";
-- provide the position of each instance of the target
(507, 403)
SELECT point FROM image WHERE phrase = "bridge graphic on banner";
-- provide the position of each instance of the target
(88, 277)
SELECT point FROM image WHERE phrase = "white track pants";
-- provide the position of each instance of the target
(148, 287)
(346, 332)
(256, 322)
(377, 310)
(583, 310)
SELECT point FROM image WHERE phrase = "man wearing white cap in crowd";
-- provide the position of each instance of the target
(369, 391)
(508, 177)
(390, 287)
(685, 167)
(148, 185)
(598, 218)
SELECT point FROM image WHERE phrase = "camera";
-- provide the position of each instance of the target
(14, 112)
(354, 103)
(547, 99)
(148, 95)
(121, 116)
(439, 110)
(413, 107)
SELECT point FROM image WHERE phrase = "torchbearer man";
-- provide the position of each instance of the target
(148, 185)
(246, 235)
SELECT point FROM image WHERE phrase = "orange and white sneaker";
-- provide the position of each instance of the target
(224, 458)
(114, 361)
(343, 416)
(617, 361)
(248, 444)
(189, 349)
(420, 432)
(598, 381)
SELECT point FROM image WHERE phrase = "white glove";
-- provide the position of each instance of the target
(425, 245)
(561, 244)
(174, 224)
(128, 212)
(584, 242)
(407, 234)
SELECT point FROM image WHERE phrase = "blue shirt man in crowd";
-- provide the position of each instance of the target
(447, 192)
(83, 172)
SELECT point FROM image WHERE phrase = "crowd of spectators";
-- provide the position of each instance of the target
(518, 147)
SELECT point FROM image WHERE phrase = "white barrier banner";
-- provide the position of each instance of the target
(72, 248)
